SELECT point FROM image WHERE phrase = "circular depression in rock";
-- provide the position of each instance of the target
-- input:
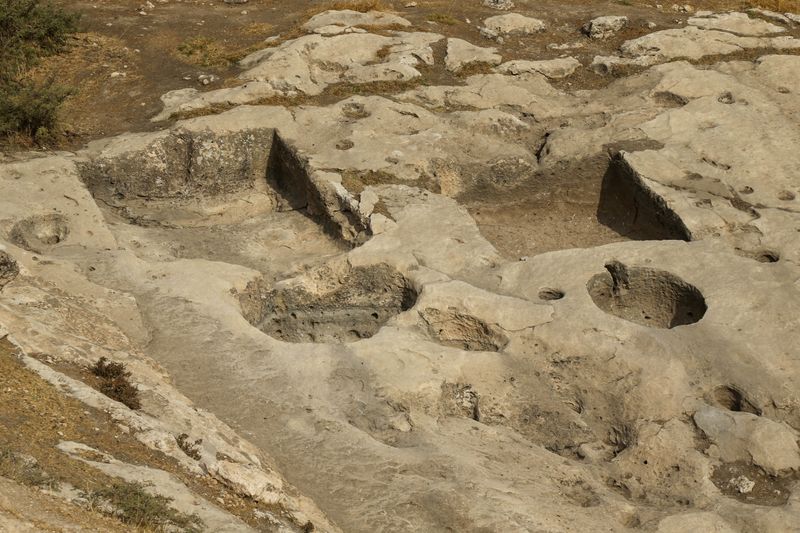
(40, 232)
(352, 306)
(550, 294)
(646, 296)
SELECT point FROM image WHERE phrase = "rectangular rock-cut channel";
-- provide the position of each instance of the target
(181, 166)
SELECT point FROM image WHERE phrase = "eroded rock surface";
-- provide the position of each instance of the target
(325, 278)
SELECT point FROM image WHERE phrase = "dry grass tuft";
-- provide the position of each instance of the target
(781, 6)
(443, 18)
(362, 6)
(133, 505)
(204, 52)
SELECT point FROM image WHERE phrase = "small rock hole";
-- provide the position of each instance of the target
(549, 294)
(733, 399)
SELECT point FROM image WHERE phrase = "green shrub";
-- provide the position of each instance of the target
(30, 30)
(31, 108)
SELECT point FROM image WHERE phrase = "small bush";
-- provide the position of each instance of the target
(31, 108)
(133, 505)
(192, 449)
(115, 384)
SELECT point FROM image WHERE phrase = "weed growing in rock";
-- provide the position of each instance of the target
(114, 382)
(192, 449)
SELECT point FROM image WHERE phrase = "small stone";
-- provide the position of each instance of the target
(504, 5)
(380, 223)
(551, 68)
(604, 27)
(461, 53)
(512, 23)
(743, 484)
(367, 203)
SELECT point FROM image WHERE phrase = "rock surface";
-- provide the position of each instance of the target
(738, 23)
(551, 68)
(747, 437)
(604, 27)
(690, 42)
(352, 19)
(511, 24)
(377, 341)
(461, 53)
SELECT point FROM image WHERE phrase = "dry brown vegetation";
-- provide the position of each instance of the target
(133, 505)
(115, 382)
(35, 416)
(354, 5)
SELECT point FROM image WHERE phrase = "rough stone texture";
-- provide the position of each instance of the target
(309, 64)
(690, 42)
(551, 68)
(181, 163)
(461, 53)
(604, 27)
(511, 24)
(351, 19)
(747, 437)
(770, 15)
(738, 23)
(503, 5)
(708, 522)
(505, 397)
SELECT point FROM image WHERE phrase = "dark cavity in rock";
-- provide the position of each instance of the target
(646, 296)
(352, 306)
(631, 209)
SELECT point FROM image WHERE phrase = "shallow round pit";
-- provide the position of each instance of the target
(40, 232)
(352, 306)
(646, 296)
(762, 256)
(549, 294)
(767, 256)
